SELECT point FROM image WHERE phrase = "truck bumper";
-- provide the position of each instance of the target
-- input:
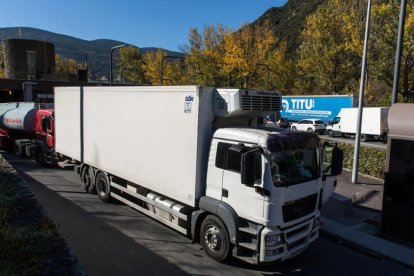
(293, 240)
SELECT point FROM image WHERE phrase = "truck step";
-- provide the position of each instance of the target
(247, 245)
(66, 164)
(249, 230)
(248, 259)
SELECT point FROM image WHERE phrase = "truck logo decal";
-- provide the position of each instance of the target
(188, 102)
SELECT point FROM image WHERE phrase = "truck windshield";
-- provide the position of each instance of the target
(294, 158)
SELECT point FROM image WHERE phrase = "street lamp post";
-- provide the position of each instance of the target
(110, 64)
(162, 65)
(400, 40)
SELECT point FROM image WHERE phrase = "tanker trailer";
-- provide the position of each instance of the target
(26, 128)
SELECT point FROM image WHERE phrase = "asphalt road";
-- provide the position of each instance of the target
(113, 239)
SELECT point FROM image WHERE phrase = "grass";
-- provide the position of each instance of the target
(25, 238)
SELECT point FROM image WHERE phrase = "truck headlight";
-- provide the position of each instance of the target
(273, 240)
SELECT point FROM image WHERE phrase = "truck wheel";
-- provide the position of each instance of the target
(40, 157)
(214, 238)
(364, 137)
(18, 149)
(330, 133)
(87, 180)
(293, 128)
(310, 130)
(103, 189)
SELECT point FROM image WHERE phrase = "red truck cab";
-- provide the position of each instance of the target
(45, 127)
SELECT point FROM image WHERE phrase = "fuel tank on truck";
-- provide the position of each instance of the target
(18, 116)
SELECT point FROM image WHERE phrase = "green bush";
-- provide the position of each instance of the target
(371, 160)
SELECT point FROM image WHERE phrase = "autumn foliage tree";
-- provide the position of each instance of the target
(384, 37)
(64, 66)
(131, 64)
(244, 50)
(331, 48)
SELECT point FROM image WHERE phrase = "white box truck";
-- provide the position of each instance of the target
(205, 169)
(374, 123)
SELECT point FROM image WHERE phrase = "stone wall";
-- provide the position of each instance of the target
(16, 53)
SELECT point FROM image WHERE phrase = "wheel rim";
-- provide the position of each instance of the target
(212, 237)
(101, 187)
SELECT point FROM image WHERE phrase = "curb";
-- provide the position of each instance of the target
(370, 244)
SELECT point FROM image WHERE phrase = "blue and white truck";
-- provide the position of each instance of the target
(324, 107)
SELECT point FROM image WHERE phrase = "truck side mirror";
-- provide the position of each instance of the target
(333, 159)
(248, 167)
(337, 161)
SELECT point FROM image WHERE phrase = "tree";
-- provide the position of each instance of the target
(204, 56)
(64, 66)
(282, 71)
(131, 64)
(172, 68)
(331, 48)
(384, 35)
(243, 50)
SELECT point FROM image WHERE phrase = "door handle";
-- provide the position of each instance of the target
(224, 193)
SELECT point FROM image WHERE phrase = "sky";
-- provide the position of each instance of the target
(143, 23)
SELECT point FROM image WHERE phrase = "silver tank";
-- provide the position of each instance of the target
(18, 116)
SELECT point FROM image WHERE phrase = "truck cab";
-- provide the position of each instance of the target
(45, 141)
(272, 180)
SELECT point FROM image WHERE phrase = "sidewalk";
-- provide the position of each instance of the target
(353, 216)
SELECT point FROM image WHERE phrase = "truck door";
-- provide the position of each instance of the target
(245, 200)
(47, 131)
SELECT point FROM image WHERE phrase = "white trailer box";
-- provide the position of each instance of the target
(119, 134)
(157, 137)
(374, 120)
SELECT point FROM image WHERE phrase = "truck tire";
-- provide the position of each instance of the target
(364, 137)
(214, 238)
(40, 157)
(87, 180)
(310, 129)
(103, 188)
(330, 133)
(18, 151)
(293, 128)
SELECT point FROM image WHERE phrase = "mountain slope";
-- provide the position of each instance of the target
(288, 21)
(97, 51)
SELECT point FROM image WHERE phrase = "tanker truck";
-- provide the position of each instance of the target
(27, 128)
(208, 170)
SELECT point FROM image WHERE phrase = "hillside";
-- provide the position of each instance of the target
(96, 51)
(288, 21)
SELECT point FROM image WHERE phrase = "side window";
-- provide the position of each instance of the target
(221, 156)
(46, 124)
(231, 160)
(227, 159)
(258, 168)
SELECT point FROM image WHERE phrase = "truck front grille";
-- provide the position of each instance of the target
(298, 208)
(265, 103)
